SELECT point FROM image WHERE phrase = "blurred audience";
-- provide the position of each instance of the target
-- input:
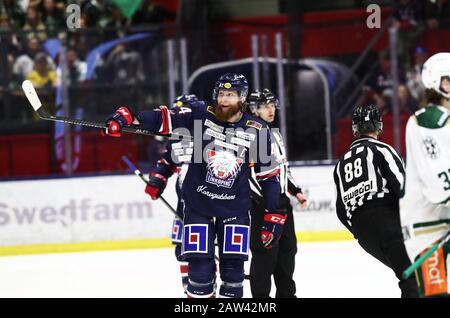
(437, 14)
(25, 62)
(414, 74)
(14, 12)
(97, 13)
(381, 83)
(150, 13)
(408, 18)
(103, 20)
(380, 88)
(407, 104)
(124, 66)
(53, 17)
(76, 68)
(42, 76)
(34, 27)
(9, 41)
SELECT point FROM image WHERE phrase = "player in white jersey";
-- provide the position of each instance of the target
(278, 260)
(425, 207)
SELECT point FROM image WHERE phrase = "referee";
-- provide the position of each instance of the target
(369, 181)
(279, 260)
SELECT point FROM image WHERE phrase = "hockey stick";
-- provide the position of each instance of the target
(143, 178)
(33, 98)
(137, 172)
(433, 248)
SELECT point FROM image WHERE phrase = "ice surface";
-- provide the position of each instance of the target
(323, 270)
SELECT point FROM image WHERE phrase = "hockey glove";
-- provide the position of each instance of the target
(156, 185)
(272, 228)
(122, 117)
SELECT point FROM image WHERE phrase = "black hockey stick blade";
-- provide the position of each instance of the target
(35, 102)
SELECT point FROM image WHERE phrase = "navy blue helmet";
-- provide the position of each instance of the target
(184, 100)
(366, 119)
(258, 98)
(232, 82)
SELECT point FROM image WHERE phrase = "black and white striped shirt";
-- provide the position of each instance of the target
(370, 174)
(287, 182)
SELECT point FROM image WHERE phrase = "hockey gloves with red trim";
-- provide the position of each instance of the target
(121, 118)
(156, 185)
(272, 227)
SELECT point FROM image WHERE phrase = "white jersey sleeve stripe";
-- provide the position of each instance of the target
(393, 165)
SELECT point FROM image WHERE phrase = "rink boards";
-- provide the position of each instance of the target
(113, 212)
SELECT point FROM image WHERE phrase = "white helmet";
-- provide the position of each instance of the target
(434, 69)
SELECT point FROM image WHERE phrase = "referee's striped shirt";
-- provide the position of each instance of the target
(370, 174)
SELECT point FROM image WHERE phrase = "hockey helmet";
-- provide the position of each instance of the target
(258, 98)
(184, 100)
(232, 82)
(434, 70)
(366, 119)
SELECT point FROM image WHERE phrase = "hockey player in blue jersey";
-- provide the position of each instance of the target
(216, 191)
(174, 160)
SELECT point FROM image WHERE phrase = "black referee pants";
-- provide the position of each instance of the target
(279, 261)
(378, 231)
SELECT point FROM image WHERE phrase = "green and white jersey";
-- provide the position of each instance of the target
(425, 207)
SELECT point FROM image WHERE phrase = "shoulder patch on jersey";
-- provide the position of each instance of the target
(432, 117)
(253, 124)
(210, 109)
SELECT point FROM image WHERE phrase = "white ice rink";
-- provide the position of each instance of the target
(332, 269)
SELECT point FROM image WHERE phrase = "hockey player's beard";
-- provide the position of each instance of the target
(225, 113)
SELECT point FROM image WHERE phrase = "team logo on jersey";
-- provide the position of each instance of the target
(223, 166)
(235, 239)
(430, 147)
(195, 239)
(177, 230)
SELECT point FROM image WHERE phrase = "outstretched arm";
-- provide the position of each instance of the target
(160, 121)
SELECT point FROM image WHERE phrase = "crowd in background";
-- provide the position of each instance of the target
(411, 18)
(32, 31)
(33, 23)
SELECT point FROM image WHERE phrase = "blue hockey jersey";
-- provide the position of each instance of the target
(217, 181)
